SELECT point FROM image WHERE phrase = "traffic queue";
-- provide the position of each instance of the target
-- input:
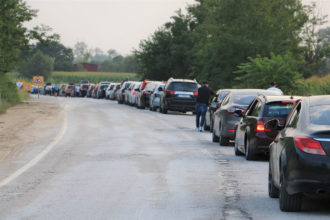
(292, 131)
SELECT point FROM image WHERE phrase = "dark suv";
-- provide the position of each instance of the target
(179, 95)
(251, 136)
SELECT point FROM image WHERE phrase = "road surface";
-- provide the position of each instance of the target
(111, 161)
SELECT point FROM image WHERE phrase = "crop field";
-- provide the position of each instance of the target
(93, 77)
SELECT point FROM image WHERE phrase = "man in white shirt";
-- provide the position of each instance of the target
(273, 88)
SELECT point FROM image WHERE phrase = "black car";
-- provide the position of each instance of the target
(224, 120)
(214, 105)
(300, 155)
(179, 95)
(251, 136)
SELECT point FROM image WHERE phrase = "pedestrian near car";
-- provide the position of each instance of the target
(273, 88)
(204, 93)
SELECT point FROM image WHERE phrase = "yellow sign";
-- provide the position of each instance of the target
(38, 80)
(27, 87)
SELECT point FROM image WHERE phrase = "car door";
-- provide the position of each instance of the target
(249, 121)
(217, 115)
(285, 136)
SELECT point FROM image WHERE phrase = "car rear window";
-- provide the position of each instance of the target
(277, 109)
(183, 86)
(85, 86)
(104, 86)
(243, 99)
(320, 115)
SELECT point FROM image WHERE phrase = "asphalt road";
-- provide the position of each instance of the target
(111, 161)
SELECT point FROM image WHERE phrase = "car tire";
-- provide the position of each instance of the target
(223, 141)
(289, 203)
(249, 154)
(273, 191)
(206, 128)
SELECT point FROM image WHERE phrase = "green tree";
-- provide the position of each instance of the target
(39, 64)
(260, 71)
(63, 56)
(14, 36)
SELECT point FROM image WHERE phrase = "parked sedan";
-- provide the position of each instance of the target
(107, 91)
(113, 92)
(224, 120)
(121, 92)
(100, 92)
(142, 99)
(214, 105)
(300, 156)
(251, 136)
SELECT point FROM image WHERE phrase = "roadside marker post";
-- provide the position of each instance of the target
(38, 81)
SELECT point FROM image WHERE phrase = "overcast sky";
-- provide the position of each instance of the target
(112, 24)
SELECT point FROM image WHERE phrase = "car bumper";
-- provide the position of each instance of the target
(181, 104)
(307, 173)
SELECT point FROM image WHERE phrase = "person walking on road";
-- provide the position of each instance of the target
(203, 98)
(273, 88)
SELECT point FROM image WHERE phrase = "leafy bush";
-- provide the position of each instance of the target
(259, 72)
(8, 93)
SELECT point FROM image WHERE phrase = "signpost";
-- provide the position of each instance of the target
(38, 81)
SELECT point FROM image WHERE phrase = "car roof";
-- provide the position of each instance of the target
(182, 80)
(319, 100)
(275, 98)
(252, 91)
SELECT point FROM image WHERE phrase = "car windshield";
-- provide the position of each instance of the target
(183, 86)
(277, 109)
(222, 95)
(320, 115)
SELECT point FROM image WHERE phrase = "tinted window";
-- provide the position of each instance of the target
(111, 87)
(103, 86)
(277, 109)
(127, 85)
(320, 115)
(183, 86)
(243, 99)
(293, 120)
(85, 86)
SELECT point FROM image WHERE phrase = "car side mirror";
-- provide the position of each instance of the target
(273, 124)
(238, 113)
(160, 89)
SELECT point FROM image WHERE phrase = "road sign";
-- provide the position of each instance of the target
(38, 80)
(27, 87)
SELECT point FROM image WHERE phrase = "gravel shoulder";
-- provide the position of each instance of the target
(25, 130)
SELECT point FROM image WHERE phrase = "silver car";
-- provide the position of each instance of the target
(154, 101)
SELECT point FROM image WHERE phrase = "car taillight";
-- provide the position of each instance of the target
(134, 93)
(168, 101)
(309, 145)
(260, 127)
(195, 93)
(170, 92)
(81, 89)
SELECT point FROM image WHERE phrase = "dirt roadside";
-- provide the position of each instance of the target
(25, 130)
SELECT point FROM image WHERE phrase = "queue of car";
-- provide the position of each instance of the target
(294, 132)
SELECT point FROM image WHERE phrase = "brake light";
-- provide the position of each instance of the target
(168, 101)
(195, 93)
(309, 145)
(288, 102)
(134, 93)
(261, 127)
(170, 92)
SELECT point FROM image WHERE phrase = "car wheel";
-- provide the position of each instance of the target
(223, 141)
(273, 191)
(289, 203)
(249, 154)
(206, 128)
(215, 138)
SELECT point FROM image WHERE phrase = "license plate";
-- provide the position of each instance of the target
(183, 96)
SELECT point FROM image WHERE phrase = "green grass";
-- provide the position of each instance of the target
(93, 77)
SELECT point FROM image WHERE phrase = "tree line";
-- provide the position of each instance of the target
(241, 43)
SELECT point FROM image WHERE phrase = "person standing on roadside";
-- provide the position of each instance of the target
(273, 88)
(202, 102)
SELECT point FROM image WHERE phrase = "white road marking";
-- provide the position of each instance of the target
(39, 157)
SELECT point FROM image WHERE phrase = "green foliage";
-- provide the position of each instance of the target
(39, 64)
(8, 93)
(63, 56)
(259, 72)
(14, 36)
(76, 77)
